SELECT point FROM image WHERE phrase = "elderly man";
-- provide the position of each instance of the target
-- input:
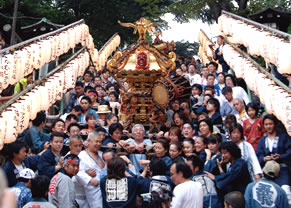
(238, 105)
(137, 143)
(88, 193)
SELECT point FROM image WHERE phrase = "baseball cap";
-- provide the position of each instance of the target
(271, 168)
(26, 173)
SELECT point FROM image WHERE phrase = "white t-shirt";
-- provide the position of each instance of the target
(19, 168)
(194, 79)
(239, 92)
(188, 194)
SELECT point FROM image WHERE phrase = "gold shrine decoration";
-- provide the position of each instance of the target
(18, 64)
(142, 26)
(142, 65)
(264, 42)
(128, 60)
(15, 118)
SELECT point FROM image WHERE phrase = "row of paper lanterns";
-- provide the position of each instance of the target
(107, 50)
(22, 62)
(15, 118)
(204, 51)
(259, 42)
(204, 58)
(204, 43)
(275, 98)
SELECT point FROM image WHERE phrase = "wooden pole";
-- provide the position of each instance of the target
(12, 40)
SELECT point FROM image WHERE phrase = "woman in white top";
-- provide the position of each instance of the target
(247, 151)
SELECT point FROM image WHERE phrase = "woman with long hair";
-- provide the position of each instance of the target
(91, 124)
(175, 152)
(253, 126)
(161, 149)
(188, 147)
(179, 118)
(212, 108)
(110, 119)
(200, 146)
(276, 145)
(213, 153)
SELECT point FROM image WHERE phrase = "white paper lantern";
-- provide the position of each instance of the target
(11, 131)
(18, 113)
(3, 124)
(284, 59)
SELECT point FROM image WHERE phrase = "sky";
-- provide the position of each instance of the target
(187, 31)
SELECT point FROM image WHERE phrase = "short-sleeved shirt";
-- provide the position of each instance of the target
(135, 158)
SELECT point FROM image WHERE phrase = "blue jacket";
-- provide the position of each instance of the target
(35, 138)
(168, 162)
(211, 165)
(226, 109)
(119, 193)
(265, 193)
(72, 102)
(23, 194)
(235, 179)
(90, 112)
(281, 146)
(221, 60)
(12, 173)
(47, 163)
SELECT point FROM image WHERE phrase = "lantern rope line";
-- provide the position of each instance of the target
(38, 82)
(274, 31)
(259, 67)
(105, 45)
(24, 43)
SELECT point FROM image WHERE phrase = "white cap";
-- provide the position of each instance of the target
(27, 173)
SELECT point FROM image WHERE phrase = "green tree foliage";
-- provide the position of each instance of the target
(102, 15)
(210, 10)
(205, 10)
(30, 11)
(186, 49)
(255, 6)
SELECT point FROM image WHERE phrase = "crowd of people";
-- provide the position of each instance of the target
(217, 149)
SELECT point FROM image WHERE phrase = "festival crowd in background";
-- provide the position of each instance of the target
(218, 149)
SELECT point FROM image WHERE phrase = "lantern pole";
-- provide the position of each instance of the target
(12, 41)
(38, 82)
(259, 67)
(24, 43)
(272, 30)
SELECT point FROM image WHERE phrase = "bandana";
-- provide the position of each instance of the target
(92, 93)
(69, 161)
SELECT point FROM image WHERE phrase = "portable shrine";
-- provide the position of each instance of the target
(146, 68)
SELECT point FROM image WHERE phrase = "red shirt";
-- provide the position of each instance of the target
(253, 131)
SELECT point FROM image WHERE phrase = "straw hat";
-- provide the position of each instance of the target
(103, 109)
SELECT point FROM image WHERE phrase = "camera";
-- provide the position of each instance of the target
(158, 196)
